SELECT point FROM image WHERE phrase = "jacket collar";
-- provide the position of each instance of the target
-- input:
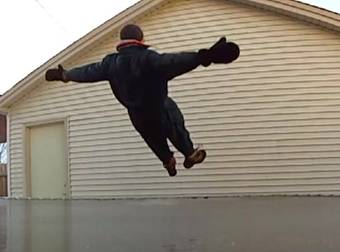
(130, 42)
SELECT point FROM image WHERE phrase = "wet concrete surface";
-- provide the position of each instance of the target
(292, 224)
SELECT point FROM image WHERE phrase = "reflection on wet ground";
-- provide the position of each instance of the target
(171, 225)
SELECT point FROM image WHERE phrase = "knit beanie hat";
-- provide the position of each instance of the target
(131, 31)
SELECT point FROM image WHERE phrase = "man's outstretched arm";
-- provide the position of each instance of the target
(171, 65)
(88, 73)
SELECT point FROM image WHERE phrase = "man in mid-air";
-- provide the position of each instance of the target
(139, 79)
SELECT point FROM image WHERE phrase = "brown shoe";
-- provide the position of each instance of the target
(195, 158)
(171, 167)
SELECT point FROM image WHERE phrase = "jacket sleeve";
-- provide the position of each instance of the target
(171, 65)
(90, 73)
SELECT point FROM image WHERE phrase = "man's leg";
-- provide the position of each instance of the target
(175, 128)
(179, 135)
(151, 129)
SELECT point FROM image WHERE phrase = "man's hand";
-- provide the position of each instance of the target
(56, 74)
(222, 52)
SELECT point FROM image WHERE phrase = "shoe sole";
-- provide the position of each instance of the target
(189, 166)
(172, 173)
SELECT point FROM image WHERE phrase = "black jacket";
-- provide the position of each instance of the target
(138, 76)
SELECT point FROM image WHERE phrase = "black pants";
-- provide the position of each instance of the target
(157, 126)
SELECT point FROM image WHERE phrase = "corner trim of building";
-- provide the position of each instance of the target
(9, 193)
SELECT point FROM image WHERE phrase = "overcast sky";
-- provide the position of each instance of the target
(33, 31)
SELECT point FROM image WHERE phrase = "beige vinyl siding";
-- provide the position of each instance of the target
(270, 121)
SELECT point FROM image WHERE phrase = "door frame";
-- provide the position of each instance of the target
(27, 192)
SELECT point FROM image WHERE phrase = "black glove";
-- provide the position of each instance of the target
(56, 74)
(221, 52)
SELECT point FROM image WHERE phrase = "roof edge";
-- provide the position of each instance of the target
(10, 96)
(303, 11)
